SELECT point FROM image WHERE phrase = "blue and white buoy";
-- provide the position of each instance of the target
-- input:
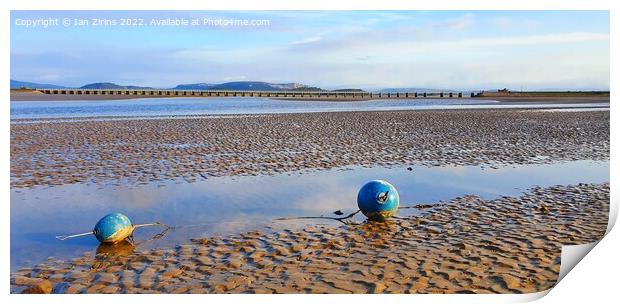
(113, 228)
(378, 200)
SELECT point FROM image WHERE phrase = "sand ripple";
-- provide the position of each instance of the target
(469, 245)
(141, 151)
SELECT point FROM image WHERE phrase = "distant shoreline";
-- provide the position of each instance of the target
(533, 99)
(32, 96)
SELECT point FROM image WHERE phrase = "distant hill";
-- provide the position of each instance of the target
(232, 86)
(110, 85)
(16, 84)
(307, 89)
(289, 86)
(194, 86)
(243, 86)
(348, 90)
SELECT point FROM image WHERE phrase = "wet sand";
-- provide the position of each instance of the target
(467, 245)
(145, 150)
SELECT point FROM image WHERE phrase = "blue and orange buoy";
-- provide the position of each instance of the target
(378, 200)
(113, 228)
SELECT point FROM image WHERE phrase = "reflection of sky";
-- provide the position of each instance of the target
(228, 205)
(218, 106)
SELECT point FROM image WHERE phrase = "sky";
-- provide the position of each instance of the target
(520, 50)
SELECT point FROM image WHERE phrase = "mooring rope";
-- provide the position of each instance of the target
(64, 237)
(168, 228)
(340, 219)
(152, 224)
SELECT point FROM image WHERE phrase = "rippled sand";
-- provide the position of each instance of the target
(145, 150)
(467, 245)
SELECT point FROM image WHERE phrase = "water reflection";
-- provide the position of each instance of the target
(167, 107)
(217, 106)
(113, 250)
(108, 253)
(225, 205)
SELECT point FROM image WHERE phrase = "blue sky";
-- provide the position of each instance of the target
(331, 49)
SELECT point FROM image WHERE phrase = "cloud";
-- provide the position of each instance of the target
(328, 49)
(503, 22)
(306, 40)
(508, 23)
(460, 23)
(235, 78)
(390, 48)
(345, 62)
(522, 40)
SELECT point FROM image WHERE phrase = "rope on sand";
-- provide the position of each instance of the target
(340, 219)
(420, 206)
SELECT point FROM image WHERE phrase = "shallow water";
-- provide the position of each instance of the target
(149, 107)
(225, 205)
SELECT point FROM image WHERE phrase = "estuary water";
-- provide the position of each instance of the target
(227, 205)
(156, 107)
